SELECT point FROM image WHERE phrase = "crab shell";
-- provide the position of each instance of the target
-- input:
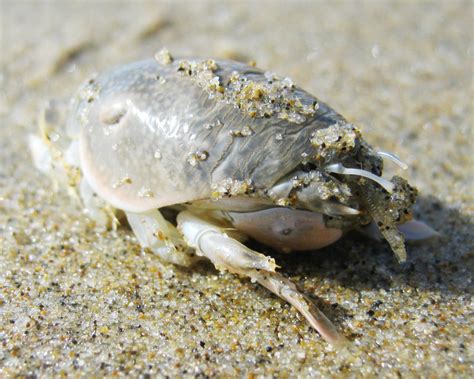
(150, 137)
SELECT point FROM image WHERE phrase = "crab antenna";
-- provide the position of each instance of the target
(338, 168)
(393, 158)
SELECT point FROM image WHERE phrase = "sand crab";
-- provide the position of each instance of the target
(202, 154)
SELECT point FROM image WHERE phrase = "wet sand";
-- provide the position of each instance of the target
(78, 301)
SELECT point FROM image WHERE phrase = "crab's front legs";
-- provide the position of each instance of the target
(211, 241)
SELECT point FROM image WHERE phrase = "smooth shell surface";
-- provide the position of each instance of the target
(286, 229)
(151, 137)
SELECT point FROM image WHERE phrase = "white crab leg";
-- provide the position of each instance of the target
(225, 252)
(211, 241)
(161, 237)
(287, 290)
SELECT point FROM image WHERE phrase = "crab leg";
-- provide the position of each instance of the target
(287, 290)
(157, 234)
(211, 241)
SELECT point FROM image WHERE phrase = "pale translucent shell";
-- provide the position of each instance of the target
(145, 123)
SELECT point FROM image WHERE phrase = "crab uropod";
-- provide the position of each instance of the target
(202, 154)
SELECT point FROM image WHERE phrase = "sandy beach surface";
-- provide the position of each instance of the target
(77, 301)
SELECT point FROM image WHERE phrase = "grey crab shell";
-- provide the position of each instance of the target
(150, 136)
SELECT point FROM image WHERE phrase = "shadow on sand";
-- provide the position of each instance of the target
(443, 264)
